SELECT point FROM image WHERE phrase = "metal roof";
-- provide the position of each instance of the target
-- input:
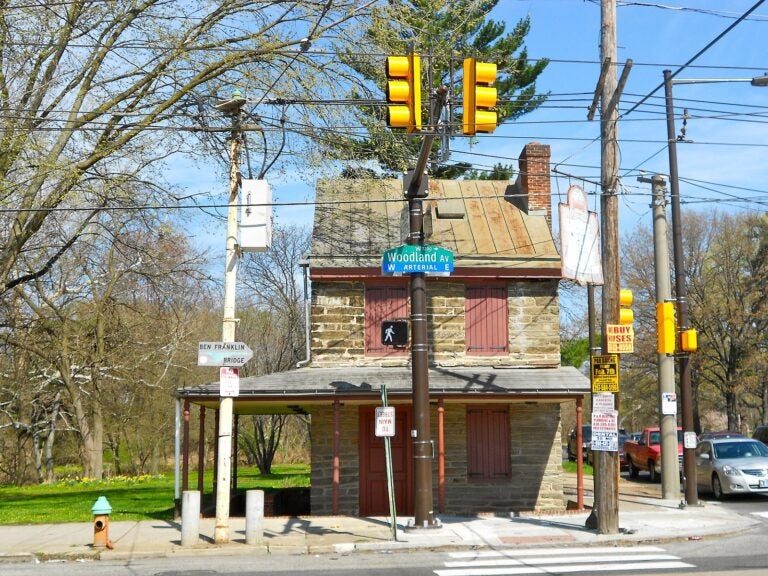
(287, 391)
(478, 220)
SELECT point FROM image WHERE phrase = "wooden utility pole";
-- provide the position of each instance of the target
(607, 463)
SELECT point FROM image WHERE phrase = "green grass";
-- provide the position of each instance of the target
(570, 467)
(131, 498)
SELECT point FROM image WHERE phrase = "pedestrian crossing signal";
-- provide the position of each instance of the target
(394, 333)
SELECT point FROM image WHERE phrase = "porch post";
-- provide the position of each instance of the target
(440, 456)
(201, 452)
(234, 450)
(215, 453)
(579, 459)
(336, 457)
(185, 449)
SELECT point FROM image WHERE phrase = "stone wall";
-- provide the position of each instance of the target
(338, 326)
(536, 482)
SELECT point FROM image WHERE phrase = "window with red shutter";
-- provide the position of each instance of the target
(485, 319)
(488, 452)
(383, 303)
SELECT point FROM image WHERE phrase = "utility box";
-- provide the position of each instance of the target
(255, 216)
(101, 511)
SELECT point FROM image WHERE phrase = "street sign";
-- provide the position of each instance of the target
(229, 381)
(605, 431)
(394, 332)
(605, 373)
(619, 338)
(223, 354)
(385, 421)
(413, 258)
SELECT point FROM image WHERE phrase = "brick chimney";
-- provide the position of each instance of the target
(532, 192)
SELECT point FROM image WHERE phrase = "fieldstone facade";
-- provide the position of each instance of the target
(338, 326)
(536, 483)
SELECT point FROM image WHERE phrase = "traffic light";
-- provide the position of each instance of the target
(689, 340)
(404, 91)
(626, 314)
(479, 97)
(665, 328)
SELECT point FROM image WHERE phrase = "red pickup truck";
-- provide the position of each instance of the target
(645, 453)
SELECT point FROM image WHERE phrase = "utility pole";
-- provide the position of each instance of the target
(607, 463)
(415, 184)
(681, 292)
(232, 108)
(670, 468)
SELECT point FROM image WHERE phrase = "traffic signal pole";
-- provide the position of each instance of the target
(415, 184)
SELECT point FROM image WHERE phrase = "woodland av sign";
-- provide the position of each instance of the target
(414, 258)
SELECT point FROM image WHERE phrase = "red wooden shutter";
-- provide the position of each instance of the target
(486, 319)
(383, 303)
(488, 454)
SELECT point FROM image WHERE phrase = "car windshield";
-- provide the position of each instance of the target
(655, 437)
(729, 450)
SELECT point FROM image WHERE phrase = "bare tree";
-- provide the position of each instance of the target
(103, 91)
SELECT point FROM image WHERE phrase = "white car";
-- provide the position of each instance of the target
(732, 466)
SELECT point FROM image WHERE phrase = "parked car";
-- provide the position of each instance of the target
(645, 453)
(732, 466)
(586, 441)
(720, 434)
(622, 460)
(761, 433)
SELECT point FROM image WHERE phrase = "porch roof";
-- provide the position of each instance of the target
(287, 392)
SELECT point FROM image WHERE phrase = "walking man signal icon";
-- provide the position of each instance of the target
(394, 332)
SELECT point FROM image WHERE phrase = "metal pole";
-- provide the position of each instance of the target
(689, 454)
(670, 468)
(223, 477)
(423, 449)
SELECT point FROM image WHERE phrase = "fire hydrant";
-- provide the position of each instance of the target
(101, 511)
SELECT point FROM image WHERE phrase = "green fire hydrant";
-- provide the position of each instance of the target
(101, 511)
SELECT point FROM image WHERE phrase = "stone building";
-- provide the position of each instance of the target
(495, 382)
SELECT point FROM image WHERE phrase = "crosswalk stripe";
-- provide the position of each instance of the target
(559, 560)
(524, 560)
(761, 514)
(564, 568)
(512, 553)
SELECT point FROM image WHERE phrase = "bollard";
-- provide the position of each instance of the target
(101, 511)
(190, 517)
(254, 516)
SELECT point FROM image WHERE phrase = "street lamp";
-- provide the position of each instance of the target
(689, 456)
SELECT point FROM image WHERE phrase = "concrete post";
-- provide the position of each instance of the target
(254, 516)
(670, 469)
(190, 518)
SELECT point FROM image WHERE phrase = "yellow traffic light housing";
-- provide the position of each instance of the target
(479, 97)
(666, 330)
(404, 91)
(626, 314)
(689, 340)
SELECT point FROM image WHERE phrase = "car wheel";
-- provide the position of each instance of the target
(717, 488)
(652, 472)
(633, 471)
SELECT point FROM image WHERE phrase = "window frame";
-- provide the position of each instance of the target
(383, 302)
(489, 444)
(486, 319)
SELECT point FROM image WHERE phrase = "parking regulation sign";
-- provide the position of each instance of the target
(385, 421)
(605, 431)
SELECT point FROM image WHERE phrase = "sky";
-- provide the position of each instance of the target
(726, 155)
(728, 151)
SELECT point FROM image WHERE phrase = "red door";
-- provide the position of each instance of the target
(374, 499)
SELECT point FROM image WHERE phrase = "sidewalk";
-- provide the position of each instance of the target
(643, 517)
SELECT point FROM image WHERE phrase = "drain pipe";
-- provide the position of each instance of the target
(304, 263)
